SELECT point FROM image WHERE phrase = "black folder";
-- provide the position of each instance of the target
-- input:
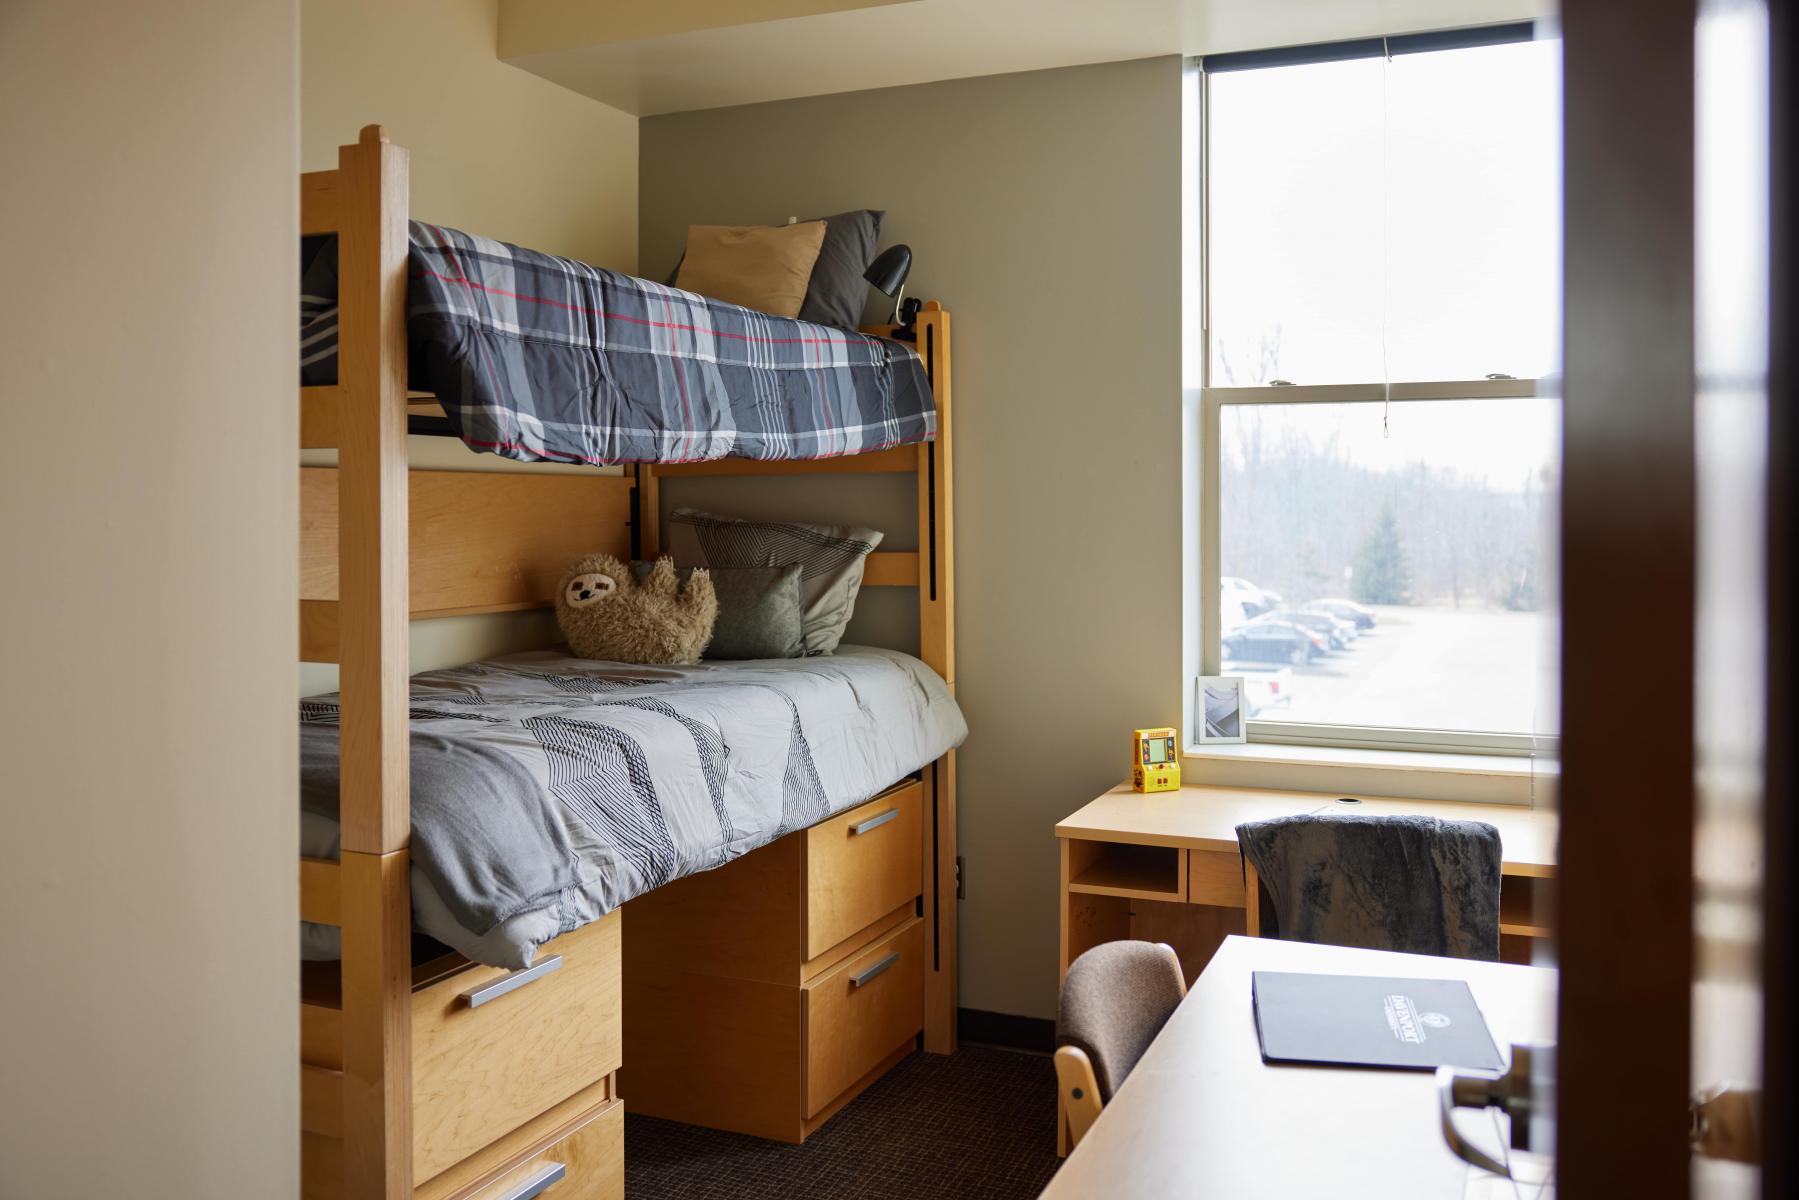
(1370, 1021)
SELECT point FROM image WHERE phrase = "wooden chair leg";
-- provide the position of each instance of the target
(1080, 1091)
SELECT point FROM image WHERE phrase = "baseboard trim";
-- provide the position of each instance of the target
(1036, 1034)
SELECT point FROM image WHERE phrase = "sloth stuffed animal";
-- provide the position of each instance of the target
(606, 613)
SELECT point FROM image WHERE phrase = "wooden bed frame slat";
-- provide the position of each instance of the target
(897, 568)
(319, 204)
(898, 460)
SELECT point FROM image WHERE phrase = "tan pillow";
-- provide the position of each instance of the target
(764, 267)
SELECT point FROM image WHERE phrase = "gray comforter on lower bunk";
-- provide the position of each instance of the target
(548, 790)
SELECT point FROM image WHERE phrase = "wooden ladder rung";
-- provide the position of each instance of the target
(319, 407)
(321, 892)
(318, 631)
(322, 1101)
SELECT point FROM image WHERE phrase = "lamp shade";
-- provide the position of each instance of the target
(889, 269)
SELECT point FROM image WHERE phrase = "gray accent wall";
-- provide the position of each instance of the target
(1043, 210)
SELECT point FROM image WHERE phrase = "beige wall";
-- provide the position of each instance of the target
(147, 343)
(495, 151)
(1044, 211)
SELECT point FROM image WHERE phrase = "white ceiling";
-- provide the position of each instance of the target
(660, 56)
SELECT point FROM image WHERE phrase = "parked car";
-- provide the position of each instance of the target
(1234, 611)
(1241, 595)
(1263, 691)
(1342, 625)
(1348, 610)
(1263, 640)
(1327, 627)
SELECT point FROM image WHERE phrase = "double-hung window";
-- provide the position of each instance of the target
(1377, 425)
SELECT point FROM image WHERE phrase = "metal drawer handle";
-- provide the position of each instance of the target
(874, 822)
(511, 982)
(857, 981)
(548, 1176)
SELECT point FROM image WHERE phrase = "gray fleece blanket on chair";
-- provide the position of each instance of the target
(1416, 884)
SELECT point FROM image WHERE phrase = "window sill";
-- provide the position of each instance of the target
(1406, 774)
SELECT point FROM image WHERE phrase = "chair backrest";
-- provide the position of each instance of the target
(1417, 884)
(1116, 998)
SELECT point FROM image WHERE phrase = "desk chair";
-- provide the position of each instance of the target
(1115, 1000)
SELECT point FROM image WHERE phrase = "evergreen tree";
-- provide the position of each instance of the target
(1382, 573)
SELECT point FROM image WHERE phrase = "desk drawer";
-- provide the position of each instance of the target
(861, 1011)
(860, 866)
(487, 1058)
(1215, 877)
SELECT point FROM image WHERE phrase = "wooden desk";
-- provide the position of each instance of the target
(1202, 1115)
(1165, 867)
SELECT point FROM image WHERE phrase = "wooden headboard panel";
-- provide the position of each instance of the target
(480, 541)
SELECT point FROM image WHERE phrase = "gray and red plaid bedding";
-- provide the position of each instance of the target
(536, 357)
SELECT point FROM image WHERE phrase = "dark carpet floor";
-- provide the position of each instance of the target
(975, 1125)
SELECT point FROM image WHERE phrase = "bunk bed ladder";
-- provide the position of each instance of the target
(364, 630)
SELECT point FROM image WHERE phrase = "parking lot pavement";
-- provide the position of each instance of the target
(1435, 668)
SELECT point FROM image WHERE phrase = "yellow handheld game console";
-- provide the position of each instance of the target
(1155, 767)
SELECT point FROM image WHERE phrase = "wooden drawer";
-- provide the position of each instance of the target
(588, 1164)
(576, 1151)
(860, 866)
(482, 1069)
(1215, 877)
(861, 1011)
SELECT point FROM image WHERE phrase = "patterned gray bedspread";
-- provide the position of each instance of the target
(536, 357)
(548, 790)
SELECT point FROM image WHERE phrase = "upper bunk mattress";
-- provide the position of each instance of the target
(536, 357)
(548, 790)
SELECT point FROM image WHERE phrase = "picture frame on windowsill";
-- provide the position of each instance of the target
(1222, 718)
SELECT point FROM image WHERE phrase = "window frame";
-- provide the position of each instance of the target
(1204, 405)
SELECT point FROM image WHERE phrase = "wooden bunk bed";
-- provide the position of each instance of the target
(413, 1085)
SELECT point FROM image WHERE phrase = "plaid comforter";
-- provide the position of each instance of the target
(536, 357)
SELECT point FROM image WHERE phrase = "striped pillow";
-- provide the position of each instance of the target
(831, 558)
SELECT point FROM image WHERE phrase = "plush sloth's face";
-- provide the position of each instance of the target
(590, 588)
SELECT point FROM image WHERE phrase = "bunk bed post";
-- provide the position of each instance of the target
(937, 646)
(648, 513)
(375, 797)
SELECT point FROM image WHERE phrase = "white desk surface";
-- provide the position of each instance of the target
(1205, 817)
(1202, 1115)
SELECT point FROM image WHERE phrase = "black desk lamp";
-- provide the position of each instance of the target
(887, 274)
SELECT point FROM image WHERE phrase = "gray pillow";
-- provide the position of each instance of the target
(759, 611)
(830, 559)
(837, 292)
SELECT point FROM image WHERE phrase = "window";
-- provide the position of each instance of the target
(1378, 436)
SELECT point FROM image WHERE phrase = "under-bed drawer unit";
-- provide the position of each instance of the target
(492, 1049)
(762, 996)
